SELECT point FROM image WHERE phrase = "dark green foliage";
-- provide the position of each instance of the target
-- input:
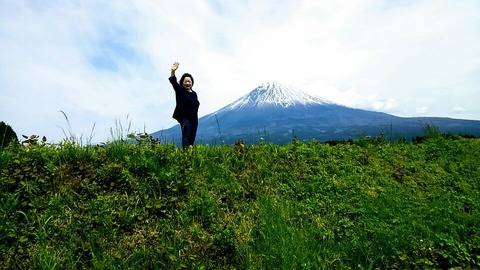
(7, 135)
(145, 205)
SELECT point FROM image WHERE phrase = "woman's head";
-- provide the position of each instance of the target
(186, 81)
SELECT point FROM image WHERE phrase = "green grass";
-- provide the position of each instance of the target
(366, 205)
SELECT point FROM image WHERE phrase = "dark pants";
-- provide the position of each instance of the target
(189, 132)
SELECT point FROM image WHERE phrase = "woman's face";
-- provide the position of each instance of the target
(187, 83)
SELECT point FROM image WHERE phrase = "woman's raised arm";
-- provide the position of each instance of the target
(174, 68)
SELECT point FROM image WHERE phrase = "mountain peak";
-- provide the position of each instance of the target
(275, 94)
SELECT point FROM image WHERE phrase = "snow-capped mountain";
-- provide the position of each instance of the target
(276, 113)
(276, 94)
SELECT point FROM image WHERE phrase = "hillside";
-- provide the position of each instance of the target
(368, 204)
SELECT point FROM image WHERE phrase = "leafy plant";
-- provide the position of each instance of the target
(137, 203)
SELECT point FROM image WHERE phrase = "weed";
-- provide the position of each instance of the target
(138, 204)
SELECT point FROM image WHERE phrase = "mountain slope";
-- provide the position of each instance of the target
(275, 113)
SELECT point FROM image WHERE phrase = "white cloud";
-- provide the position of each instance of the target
(421, 110)
(459, 110)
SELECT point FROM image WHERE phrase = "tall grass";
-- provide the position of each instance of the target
(430, 131)
(70, 135)
(139, 204)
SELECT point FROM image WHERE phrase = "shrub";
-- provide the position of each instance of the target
(7, 135)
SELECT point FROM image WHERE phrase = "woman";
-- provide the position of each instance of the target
(186, 109)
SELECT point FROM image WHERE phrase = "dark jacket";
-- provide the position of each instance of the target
(187, 102)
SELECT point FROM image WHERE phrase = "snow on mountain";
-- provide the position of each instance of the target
(276, 94)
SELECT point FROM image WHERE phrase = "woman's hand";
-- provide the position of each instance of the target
(175, 66)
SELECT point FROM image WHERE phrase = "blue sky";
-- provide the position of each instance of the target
(106, 63)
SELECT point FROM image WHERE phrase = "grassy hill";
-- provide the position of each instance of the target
(363, 205)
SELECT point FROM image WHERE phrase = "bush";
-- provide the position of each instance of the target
(145, 205)
(7, 135)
